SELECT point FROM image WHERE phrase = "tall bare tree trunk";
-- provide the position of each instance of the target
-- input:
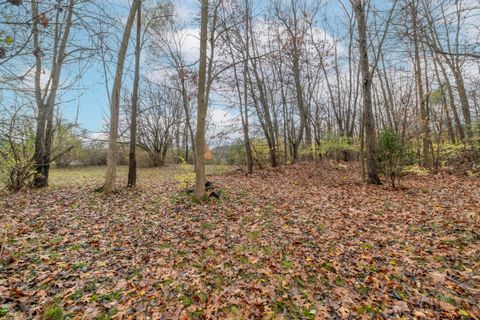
(110, 177)
(422, 97)
(368, 118)
(246, 135)
(448, 118)
(451, 100)
(188, 124)
(462, 93)
(202, 107)
(46, 101)
(132, 163)
(39, 180)
(301, 105)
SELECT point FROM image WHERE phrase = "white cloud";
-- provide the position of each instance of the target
(191, 43)
(186, 9)
(28, 79)
(223, 126)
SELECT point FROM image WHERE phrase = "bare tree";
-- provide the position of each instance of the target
(110, 177)
(160, 113)
(422, 97)
(359, 7)
(132, 159)
(45, 97)
(202, 105)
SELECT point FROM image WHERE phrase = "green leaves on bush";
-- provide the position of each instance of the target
(390, 155)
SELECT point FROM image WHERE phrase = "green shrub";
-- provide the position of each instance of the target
(338, 148)
(261, 152)
(390, 155)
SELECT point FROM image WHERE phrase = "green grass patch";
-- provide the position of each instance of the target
(252, 235)
(77, 294)
(75, 247)
(287, 264)
(197, 314)
(3, 311)
(54, 311)
(328, 266)
(363, 290)
(208, 226)
(339, 281)
(447, 299)
(186, 301)
(79, 265)
(367, 309)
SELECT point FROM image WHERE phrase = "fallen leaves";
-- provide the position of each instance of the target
(299, 242)
(400, 307)
(438, 277)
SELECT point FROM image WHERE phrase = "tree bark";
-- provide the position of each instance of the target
(368, 117)
(451, 101)
(202, 107)
(246, 135)
(46, 101)
(462, 93)
(112, 156)
(422, 97)
(132, 157)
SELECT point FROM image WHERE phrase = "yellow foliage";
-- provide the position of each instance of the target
(261, 152)
(185, 177)
(415, 169)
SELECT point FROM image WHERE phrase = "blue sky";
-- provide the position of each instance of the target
(89, 96)
(84, 100)
(93, 104)
(90, 106)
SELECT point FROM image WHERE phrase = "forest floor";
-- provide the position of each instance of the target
(307, 241)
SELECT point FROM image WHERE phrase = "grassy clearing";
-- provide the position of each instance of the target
(95, 175)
